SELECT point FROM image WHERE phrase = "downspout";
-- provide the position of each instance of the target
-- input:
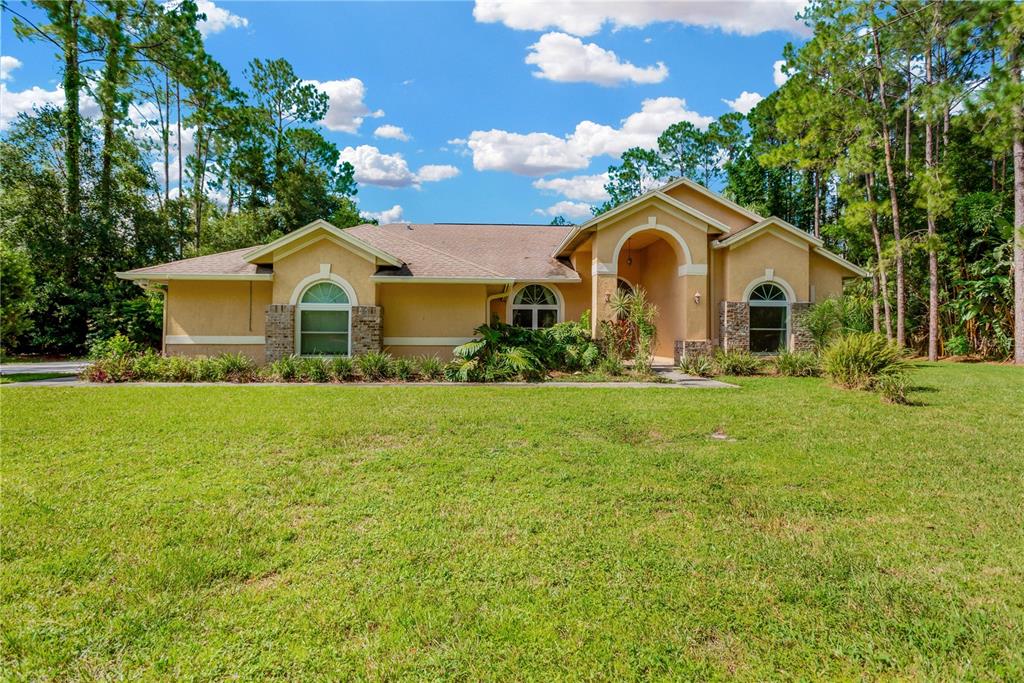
(500, 295)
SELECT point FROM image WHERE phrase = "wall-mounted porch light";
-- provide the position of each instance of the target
(696, 298)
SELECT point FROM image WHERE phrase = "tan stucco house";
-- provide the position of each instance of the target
(720, 275)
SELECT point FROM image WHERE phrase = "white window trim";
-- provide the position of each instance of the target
(559, 307)
(312, 281)
(787, 304)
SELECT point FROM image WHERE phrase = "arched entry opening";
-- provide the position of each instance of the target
(769, 318)
(650, 258)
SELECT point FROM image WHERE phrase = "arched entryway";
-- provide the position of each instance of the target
(650, 258)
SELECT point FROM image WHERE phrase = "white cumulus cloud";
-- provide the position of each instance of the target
(537, 154)
(392, 215)
(391, 132)
(7, 65)
(564, 58)
(575, 210)
(745, 102)
(374, 167)
(346, 109)
(587, 188)
(217, 18)
(25, 101)
(585, 18)
(779, 74)
(431, 173)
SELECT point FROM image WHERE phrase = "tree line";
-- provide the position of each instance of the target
(175, 161)
(899, 140)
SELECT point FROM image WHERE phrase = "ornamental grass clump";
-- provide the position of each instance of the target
(859, 360)
(286, 369)
(698, 365)
(430, 368)
(797, 364)
(374, 366)
(738, 363)
(315, 370)
(237, 367)
(403, 369)
(343, 368)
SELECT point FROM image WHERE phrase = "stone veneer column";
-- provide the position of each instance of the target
(367, 322)
(690, 349)
(280, 331)
(735, 326)
(801, 336)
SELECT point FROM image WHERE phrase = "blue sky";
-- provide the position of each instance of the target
(496, 111)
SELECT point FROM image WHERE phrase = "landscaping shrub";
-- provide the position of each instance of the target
(150, 366)
(118, 346)
(893, 387)
(570, 346)
(343, 368)
(611, 365)
(430, 367)
(698, 365)
(738, 363)
(797, 364)
(502, 353)
(837, 316)
(287, 369)
(315, 370)
(237, 367)
(113, 360)
(858, 360)
(374, 366)
(639, 314)
(403, 369)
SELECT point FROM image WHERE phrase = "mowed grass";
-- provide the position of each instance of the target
(333, 532)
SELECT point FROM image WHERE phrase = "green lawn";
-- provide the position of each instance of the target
(527, 533)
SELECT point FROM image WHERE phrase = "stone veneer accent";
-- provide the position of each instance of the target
(367, 323)
(280, 331)
(734, 326)
(798, 332)
(690, 348)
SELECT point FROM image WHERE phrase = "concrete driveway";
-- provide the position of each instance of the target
(70, 367)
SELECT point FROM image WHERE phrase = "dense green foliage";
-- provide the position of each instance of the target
(18, 285)
(892, 141)
(858, 360)
(515, 533)
(84, 198)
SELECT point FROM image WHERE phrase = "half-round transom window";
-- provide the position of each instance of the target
(769, 319)
(324, 321)
(534, 306)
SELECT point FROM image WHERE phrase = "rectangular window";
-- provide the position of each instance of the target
(767, 328)
(323, 333)
(522, 317)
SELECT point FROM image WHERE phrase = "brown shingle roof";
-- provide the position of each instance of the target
(465, 251)
(222, 263)
(514, 252)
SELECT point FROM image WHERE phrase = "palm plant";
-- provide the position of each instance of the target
(502, 352)
(639, 314)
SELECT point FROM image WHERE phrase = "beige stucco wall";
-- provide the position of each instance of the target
(747, 262)
(710, 207)
(255, 351)
(216, 307)
(432, 310)
(826, 278)
(292, 269)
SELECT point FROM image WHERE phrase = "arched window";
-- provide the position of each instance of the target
(769, 319)
(623, 286)
(534, 306)
(324, 321)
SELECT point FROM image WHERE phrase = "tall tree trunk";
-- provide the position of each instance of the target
(181, 169)
(890, 175)
(72, 120)
(817, 203)
(167, 138)
(907, 122)
(1018, 227)
(875, 313)
(882, 270)
(933, 257)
